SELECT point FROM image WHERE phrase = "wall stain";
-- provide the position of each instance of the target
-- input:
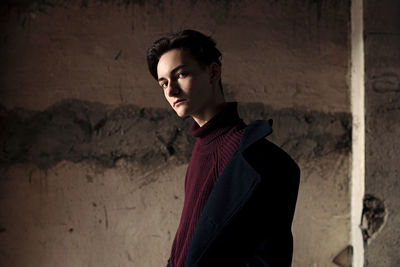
(105, 216)
(373, 217)
(126, 208)
(77, 131)
(28, 8)
(118, 54)
(386, 82)
(128, 256)
(89, 179)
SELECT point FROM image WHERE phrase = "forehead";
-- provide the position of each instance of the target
(172, 59)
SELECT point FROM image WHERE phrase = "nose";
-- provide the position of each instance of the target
(173, 88)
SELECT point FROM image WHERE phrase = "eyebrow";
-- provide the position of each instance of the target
(173, 71)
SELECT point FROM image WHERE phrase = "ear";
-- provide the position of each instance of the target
(215, 73)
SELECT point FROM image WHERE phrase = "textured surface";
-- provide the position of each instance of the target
(77, 130)
(92, 158)
(382, 59)
(96, 176)
(281, 53)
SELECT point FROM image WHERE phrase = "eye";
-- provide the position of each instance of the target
(163, 85)
(182, 74)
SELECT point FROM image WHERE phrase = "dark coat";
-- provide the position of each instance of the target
(248, 216)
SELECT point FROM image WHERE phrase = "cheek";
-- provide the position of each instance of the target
(199, 83)
(186, 85)
(202, 88)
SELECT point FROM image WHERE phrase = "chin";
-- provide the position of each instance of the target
(182, 112)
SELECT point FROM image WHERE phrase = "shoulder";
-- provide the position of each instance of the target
(280, 177)
(267, 158)
(263, 155)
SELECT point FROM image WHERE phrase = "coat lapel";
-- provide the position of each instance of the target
(233, 188)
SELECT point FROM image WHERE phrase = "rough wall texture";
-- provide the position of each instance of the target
(382, 205)
(294, 52)
(91, 173)
(76, 130)
(93, 161)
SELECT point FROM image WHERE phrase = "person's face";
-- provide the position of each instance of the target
(188, 87)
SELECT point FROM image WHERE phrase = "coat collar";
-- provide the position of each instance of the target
(254, 132)
(232, 190)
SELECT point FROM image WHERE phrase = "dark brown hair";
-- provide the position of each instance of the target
(200, 46)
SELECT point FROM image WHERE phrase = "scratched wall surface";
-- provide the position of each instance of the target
(381, 218)
(93, 160)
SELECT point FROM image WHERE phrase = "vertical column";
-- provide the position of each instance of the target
(358, 130)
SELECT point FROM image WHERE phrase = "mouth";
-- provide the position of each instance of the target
(177, 102)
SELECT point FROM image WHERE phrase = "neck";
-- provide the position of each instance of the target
(208, 114)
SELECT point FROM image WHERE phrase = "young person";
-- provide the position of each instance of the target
(240, 189)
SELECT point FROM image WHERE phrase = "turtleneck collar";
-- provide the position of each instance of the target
(218, 125)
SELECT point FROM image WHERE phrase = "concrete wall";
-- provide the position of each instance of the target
(93, 159)
(381, 218)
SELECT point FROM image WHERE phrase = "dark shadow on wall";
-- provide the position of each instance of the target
(76, 131)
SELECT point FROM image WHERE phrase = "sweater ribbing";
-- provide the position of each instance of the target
(216, 142)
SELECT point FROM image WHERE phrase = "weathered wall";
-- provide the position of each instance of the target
(382, 71)
(92, 159)
(296, 53)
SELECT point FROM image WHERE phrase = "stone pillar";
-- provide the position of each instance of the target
(358, 130)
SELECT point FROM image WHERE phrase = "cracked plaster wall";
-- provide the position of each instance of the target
(93, 160)
(381, 218)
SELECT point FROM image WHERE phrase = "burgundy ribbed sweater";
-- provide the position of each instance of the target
(215, 144)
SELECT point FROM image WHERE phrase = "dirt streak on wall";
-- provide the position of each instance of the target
(89, 179)
(78, 130)
(93, 159)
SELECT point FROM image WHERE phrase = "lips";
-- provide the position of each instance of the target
(178, 101)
